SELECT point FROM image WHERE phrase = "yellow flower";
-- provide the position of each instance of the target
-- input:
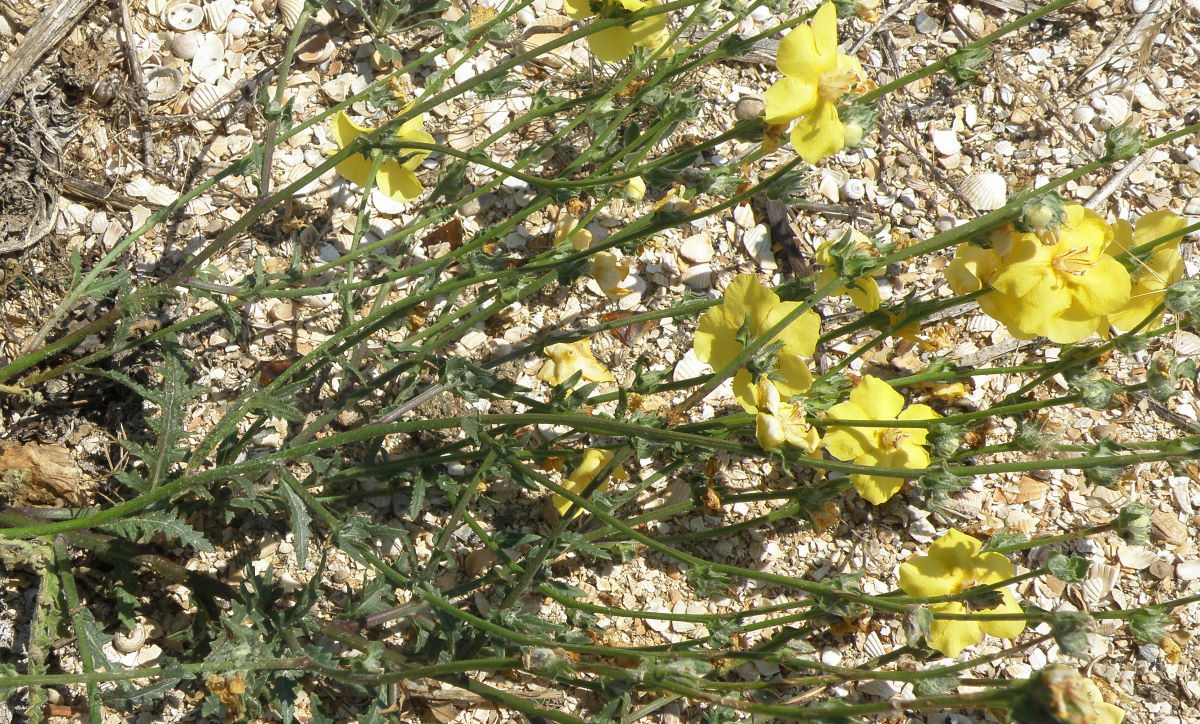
(590, 465)
(864, 292)
(1152, 276)
(778, 422)
(612, 45)
(396, 180)
(567, 359)
(953, 565)
(815, 76)
(568, 228)
(1104, 712)
(750, 304)
(609, 271)
(1062, 290)
(892, 447)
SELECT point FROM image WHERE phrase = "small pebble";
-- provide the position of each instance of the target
(749, 107)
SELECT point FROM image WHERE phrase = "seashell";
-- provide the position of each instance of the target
(854, 189)
(1166, 527)
(546, 29)
(130, 641)
(208, 100)
(697, 248)
(689, 366)
(1083, 115)
(757, 242)
(1186, 344)
(1021, 521)
(945, 142)
(982, 323)
(290, 11)
(749, 107)
(237, 27)
(830, 188)
(185, 45)
(6, 30)
(1136, 557)
(209, 62)
(162, 195)
(698, 277)
(1116, 110)
(985, 191)
(182, 15)
(317, 49)
(1101, 578)
(879, 687)
(218, 13)
(162, 83)
(1188, 570)
(872, 646)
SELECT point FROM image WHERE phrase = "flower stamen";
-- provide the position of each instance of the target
(1073, 261)
(833, 84)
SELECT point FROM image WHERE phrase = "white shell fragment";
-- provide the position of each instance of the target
(697, 248)
(206, 101)
(1099, 583)
(985, 191)
(218, 12)
(698, 277)
(854, 189)
(185, 45)
(208, 64)
(1136, 557)
(290, 10)
(162, 83)
(316, 49)
(182, 15)
(946, 142)
(689, 366)
(757, 242)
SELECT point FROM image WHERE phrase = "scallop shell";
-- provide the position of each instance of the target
(757, 242)
(207, 101)
(182, 15)
(1099, 583)
(290, 11)
(982, 323)
(985, 191)
(185, 45)
(689, 366)
(162, 83)
(697, 248)
(317, 49)
(218, 13)
(698, 277)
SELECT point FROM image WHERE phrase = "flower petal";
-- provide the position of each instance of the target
(398, 182)
(1103, 288)
(417, 135)
(819, 133)
(578, 9)
(877, 399)
(875, 489)
(956, 550)
(824, 30)
(799, 337)
(846, 443)
(746, 299)
(611, 45)
(929, 576)
(796, 376)
(951, 637)
(1004, 629)
(789, 98)
(798, 57)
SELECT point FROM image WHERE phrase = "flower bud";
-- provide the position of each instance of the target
(1042, 213)
(635, 189)
(1122, 143)
(1133, 524)
(1183, 298)
(769, 430)
(854, 134)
